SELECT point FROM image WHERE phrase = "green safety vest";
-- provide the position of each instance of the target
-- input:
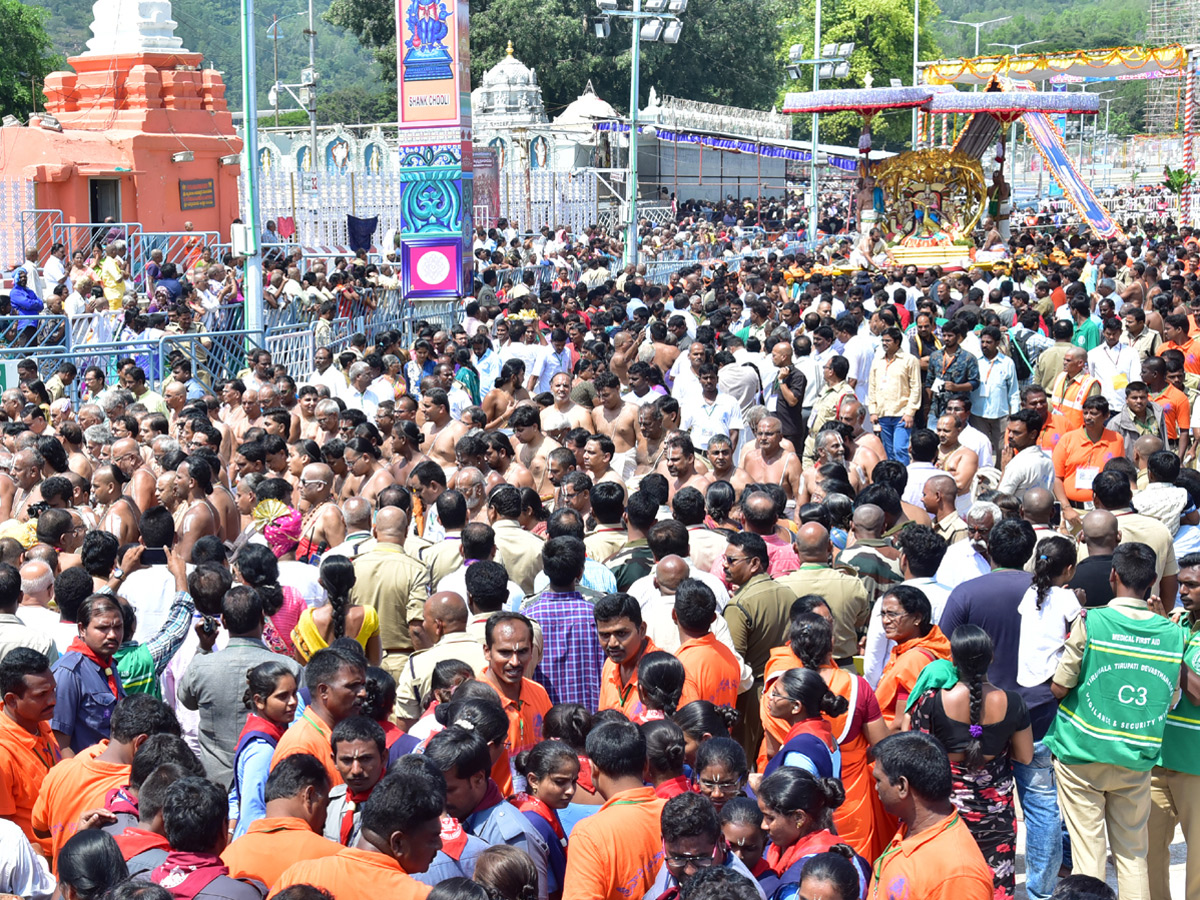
(1182, 734)
(1117, 712)
(136, 666)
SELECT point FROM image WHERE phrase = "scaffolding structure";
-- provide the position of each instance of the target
(1171, 21)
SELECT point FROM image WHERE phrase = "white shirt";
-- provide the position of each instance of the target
(961, 563)
(331, 378)
(23, 872)
(814, 379)
(918, 474)
(150, 591)
(974, 439)
(54, 271)
(457, 582)
(47, 621)
(488, 366)
(304, 579)
(1044, 633)
(533, 355)
(704, 418)
(860, 353)
(555, 364)
(1115, 366)
(879, 647)
(75, 305)
(1030, 468)
(364, 400)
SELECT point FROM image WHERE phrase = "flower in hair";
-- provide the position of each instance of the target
(976, 731)
(469, 726)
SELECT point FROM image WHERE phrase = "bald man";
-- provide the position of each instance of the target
(940, 498)
(443, 630)
(323, 525)
(395, 585)
(356, 513)
(1072, 386)
(1143, 448)
(848, 597)
(37, 591)
(127, 456)
(1100, 535)
(768, 463)
(875, 560)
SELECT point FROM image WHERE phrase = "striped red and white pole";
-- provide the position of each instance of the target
(1189, 159)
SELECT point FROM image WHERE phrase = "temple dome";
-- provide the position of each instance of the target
(131, 27)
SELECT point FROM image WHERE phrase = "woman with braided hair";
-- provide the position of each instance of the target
(320, 627)
(984, 729)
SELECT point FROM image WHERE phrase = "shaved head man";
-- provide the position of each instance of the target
(323, 526)
(445, 613)
(444, 633)
(1100, 537)
(668, 572)
(939, 497)
(868, 521)
(812, 543)
(1143, 448)
(396, 585)
(1037, 507)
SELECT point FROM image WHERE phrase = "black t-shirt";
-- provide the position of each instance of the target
(1092, 575)
(791, 418)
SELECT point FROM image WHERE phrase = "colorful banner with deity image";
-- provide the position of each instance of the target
(432, 62)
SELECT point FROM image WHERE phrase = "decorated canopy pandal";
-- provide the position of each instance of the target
(867, 102)
(935, 196)
(1170, 59)
(1008, 107)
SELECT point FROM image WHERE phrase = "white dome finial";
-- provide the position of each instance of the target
(131, 27)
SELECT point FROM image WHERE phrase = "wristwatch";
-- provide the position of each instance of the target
(118, 573)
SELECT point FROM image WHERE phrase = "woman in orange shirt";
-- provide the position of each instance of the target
(861, 820)
(907, 620)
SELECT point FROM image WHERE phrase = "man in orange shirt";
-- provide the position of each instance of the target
(1072, 387)
(1177, 414)
(81, 783)
(27, 745)
(933, 856)
(622, 634)
(473, 798)
(1176, 337)
(401, 828)
(1034, 397)
(337, 682)
(297, 796)
(507, 646)
(713, 672)
(616, 853)
(1080, 455)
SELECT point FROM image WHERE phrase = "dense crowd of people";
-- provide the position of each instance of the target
(763, 583)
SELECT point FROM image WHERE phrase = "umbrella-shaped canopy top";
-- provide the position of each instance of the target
(1008, 106)
(865, 101)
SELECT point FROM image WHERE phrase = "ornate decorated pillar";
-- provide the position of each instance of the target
(434, 99)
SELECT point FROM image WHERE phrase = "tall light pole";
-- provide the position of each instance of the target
(915, 74)
(274, 35)
(978, 26)
(253, 285)
(1108, 101)
(1015, 48)
(835, 62)
(658, 20)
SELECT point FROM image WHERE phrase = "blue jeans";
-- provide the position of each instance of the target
(1043, 823)
(894, 435)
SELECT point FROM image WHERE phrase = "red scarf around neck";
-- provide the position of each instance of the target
(814, 842)
(529, 803)
(256, 722)
(185, 875)
(135, 841)
(106, 665)
(353, 800)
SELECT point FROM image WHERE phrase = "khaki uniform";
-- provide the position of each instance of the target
(825, 410)
(759, 616)
(413, 691)
(605, 541)
(396, 586)
(443, 558)
(519, 551)
(1144, 530)
(1049, 364)
(952, 528)
(847, 596)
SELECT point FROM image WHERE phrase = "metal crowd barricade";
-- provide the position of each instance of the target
(37, 226)
(86, 236)
(22, 336)
(292, 346)
(214, 356)
(179, 247)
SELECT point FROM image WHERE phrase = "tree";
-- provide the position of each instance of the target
(25, 58)
(718, 58)
(882, 33)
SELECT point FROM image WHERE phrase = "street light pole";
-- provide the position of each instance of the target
(275, 58)
(916, 56)
(312, 91)
(252, 285)
(978, 26)
(814, 195)
(631, 230)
